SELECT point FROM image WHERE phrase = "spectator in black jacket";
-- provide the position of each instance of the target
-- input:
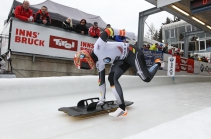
(165, 49)
(81, 27)
(67, 24)
(42, 16)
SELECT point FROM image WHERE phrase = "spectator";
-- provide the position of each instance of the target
(121, 37)
(148, 46)
(172, 51)
(181, 53)
(94, 30)
(81, 27)
(165, 49)
(23, 12)
(154, 47)
(42, 16)
(2, 65)
(144, 46)
(160, 47)
(67, 24)
(109, 26)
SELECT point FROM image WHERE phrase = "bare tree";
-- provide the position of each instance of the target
(151, 31)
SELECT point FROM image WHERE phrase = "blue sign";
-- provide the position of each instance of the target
(150, 56)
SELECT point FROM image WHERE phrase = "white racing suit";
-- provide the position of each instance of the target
(123, 57)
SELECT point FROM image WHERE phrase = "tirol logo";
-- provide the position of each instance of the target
(28, 37)
(184, 68)
(63, 43)
(184, 61)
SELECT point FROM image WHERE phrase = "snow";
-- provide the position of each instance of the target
(162, 109)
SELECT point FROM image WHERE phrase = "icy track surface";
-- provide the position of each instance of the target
(29, 110)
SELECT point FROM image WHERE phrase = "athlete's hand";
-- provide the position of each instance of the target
(44, 21)
(29, 19)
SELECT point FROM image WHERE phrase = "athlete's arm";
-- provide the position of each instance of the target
(102, 40)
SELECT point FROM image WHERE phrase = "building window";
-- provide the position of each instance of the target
(197, 29)
(191, 46)
(208, 43)
(208, 35)
(167, 36)
(201, 35)
(182, 46)
(202, 45)
(188, 28)
(172, 31)
(181, 31)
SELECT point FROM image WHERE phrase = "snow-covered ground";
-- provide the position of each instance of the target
(162, 109)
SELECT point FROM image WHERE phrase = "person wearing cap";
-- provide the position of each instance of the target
(160, 47)
(94, 30)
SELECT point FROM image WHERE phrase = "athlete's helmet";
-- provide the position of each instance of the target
(83, 60)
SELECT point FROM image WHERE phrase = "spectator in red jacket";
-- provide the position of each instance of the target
(23, 12)
(42, 16)
(94, 30)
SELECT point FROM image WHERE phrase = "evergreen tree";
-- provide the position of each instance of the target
(168, 20)
(160, 35)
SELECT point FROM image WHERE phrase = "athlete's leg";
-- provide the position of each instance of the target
(136, 59)
(117, 69)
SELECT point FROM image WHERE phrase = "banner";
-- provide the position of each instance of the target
(150, 56)
(171, 66)
(190, 66)
(36, 39)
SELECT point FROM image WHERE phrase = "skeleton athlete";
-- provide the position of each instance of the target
(123, 56)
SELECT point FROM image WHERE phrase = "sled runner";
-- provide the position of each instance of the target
(84, 108)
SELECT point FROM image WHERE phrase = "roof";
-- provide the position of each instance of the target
(61, 12)
(73, 13)
(175, 24)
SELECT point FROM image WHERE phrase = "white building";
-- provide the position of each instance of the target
(173, 35)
